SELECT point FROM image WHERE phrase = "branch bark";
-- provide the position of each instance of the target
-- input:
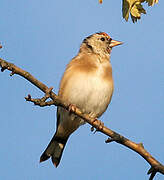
(156, 166)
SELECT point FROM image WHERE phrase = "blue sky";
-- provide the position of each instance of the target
(41, 37)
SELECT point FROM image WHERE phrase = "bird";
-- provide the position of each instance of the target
(87, 84)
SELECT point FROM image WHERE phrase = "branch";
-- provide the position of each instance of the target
(113, 136)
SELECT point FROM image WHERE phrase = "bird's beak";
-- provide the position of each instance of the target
(115, 43)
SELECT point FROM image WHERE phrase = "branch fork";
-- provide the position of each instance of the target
(42, 101)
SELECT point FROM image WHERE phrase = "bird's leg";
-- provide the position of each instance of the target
(99, 124)
(72, 108)
(92, 115)
(99, 127)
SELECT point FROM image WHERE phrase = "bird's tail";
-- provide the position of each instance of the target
(54, 150)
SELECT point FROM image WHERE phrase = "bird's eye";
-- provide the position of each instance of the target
(102, 39)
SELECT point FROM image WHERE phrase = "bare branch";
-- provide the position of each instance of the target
(113, 136)
(40, 102)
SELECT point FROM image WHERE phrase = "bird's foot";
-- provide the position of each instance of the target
(99, 125)
(92, 129)
(72, 108)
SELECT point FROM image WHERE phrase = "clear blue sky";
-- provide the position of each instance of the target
(41, 37)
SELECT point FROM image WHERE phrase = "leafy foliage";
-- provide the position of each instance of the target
(134, 8)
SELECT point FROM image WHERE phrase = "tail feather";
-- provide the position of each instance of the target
(54, 150)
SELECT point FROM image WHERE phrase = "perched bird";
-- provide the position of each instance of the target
(87, 83)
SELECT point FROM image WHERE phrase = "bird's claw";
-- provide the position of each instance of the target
(92, 129)
(99, 125)
(72, 108)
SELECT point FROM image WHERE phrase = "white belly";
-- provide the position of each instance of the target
(90, 93)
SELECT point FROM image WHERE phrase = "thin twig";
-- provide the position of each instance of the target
(39, 102)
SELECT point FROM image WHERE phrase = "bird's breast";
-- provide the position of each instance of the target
(89, 91)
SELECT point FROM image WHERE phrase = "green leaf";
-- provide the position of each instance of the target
(151, 2)
(125, 9)
(136, 11)
(135, 8)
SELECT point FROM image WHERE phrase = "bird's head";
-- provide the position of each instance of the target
(99, 43)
